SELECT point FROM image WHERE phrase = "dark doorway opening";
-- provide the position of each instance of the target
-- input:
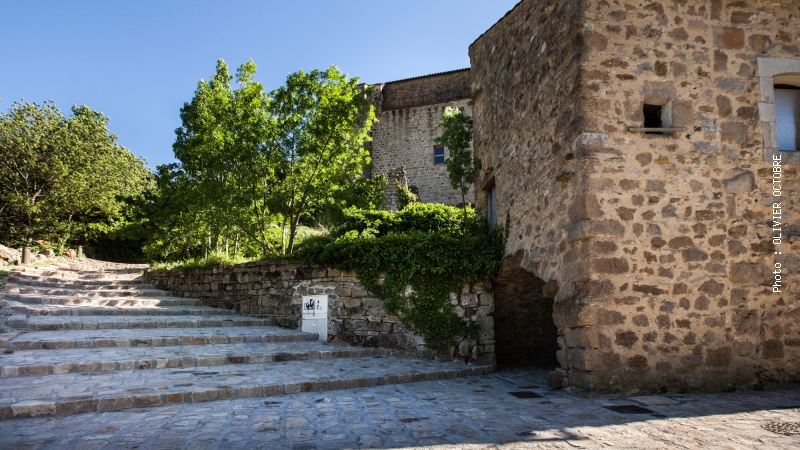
(525, 334)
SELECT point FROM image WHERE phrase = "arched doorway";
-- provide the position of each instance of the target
(525, 334)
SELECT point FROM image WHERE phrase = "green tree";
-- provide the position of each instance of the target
(176, 215)
(58, 175)
(462, 166)
(264, 160)
(323, 120)
(226, 160)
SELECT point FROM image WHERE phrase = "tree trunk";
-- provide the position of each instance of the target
(293, 232)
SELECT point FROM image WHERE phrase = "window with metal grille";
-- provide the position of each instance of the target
(438, 155)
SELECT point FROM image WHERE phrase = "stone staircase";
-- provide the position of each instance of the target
(94, 336)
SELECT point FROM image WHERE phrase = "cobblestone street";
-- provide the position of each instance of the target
(470, 413)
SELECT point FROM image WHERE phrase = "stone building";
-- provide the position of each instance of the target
(670, 257)
(408, 113)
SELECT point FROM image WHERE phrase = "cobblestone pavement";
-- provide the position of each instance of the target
(461, 413)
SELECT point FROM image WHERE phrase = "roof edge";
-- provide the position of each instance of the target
(426, 76)
(495, 24)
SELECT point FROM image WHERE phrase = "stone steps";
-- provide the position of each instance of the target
(41, 282)
(62, 274)
(153, 337)
(74, 393)
(103, 340)
(60, 322)
(74, 300)
(69, 292)
(85, 311)
(45, 362)
(33, 280)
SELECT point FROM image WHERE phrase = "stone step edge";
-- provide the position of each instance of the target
(86, 404)
(95, 295)
(118, 311)
(84, 301)
(72, 275)
(185, 362)
(37, 284)
(28, 277)
(22, 345)
(83, 293)
(157, 324)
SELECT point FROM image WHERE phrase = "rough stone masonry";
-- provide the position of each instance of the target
(658, 249)
(275, 289)
(409, 112)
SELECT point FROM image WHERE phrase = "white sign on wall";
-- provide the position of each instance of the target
(315, 306)
(315, 315)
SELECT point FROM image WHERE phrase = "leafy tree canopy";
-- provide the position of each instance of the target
(61, 176)
(259, 165)
(457, 137)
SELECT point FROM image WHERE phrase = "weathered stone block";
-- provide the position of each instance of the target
(33, 408)
(585, 337)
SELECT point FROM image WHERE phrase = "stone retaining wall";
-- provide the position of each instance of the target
(274, 289)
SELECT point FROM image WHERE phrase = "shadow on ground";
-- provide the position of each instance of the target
(512, 408)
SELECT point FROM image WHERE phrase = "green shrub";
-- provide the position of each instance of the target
(405, 196)
(199, 263)
(426, 246)
(425, 217)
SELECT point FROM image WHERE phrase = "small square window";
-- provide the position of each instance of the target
(652, 117)
(438, 155)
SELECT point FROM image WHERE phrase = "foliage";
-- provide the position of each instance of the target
(429, 247)
(251, 160)
(362, 193)
(424, 217)
(200, 263)
(323, 120)
(457, 137)
(405, 196)
(60, 176)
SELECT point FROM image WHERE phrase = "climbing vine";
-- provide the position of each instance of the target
(427, 247)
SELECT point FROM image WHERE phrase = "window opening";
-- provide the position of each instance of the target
(787, 116)
(491, 206)
(438, 155)
(652, 117)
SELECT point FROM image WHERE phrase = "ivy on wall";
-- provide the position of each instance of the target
(431, 248)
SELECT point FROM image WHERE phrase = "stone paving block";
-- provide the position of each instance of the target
(75, 406)
(33, 408)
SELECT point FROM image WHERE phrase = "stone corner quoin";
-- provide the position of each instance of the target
(662, 245)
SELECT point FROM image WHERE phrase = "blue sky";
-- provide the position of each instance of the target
(139, 61)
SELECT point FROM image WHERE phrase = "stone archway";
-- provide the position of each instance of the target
(525, 334)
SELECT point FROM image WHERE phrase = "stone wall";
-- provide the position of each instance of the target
(660, 244)
(426, 90)
(525, 79)
(684, 256)
(274, 289)
(395, 179)
(408, 114)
